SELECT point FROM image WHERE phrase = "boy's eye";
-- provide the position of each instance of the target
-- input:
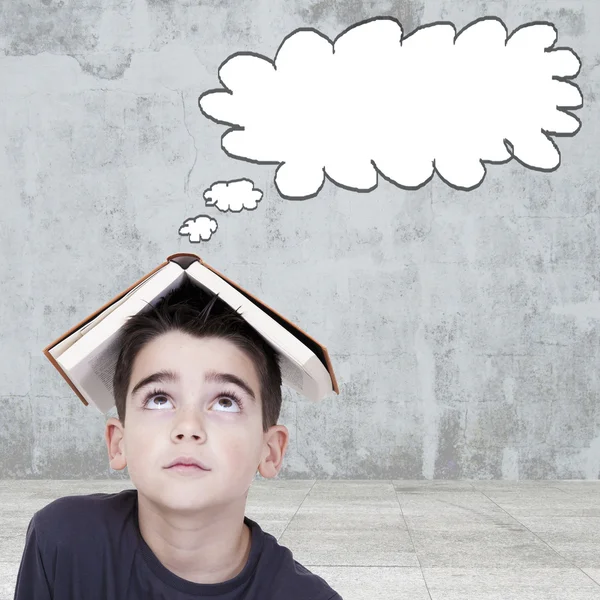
(149, 401)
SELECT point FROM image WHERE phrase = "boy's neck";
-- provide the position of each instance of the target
(231, 570)
(211, 552)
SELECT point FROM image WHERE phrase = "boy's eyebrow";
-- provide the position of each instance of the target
(168, 376)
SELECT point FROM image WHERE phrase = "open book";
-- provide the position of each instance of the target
(86, 355)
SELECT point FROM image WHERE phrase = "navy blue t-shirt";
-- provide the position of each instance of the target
(90, 548)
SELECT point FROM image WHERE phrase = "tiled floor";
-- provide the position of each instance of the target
(397, 540)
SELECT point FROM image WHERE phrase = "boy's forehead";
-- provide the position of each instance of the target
(176, 347)
(207, 359)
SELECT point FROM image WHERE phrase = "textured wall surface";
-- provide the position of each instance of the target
(464, 327)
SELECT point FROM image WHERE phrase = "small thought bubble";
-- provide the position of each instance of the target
(199, 228)
(374, 102)
(233, 195)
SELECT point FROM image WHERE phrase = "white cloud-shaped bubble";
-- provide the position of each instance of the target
(373, 102)
(199, 228)
(233, 195)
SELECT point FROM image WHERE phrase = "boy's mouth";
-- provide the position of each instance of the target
(187, 461)
(187, 469)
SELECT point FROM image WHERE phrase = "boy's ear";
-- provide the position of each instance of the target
(113, 434)
(275, 445)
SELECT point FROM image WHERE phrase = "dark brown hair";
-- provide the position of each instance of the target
(192, 310)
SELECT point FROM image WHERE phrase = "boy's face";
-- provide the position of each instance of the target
(194, 417)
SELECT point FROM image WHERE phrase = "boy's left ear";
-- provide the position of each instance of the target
(113, 435)
(276, 442)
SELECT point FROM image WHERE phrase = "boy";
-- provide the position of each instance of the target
(182, 533)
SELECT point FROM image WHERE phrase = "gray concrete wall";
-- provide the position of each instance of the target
(464, 327)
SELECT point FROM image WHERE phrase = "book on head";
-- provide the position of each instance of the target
(86, 355)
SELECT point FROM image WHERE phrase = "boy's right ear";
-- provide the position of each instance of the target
(115, 444)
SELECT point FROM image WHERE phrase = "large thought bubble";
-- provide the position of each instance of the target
(374, 102)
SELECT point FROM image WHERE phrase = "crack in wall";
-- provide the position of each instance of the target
(189, 174)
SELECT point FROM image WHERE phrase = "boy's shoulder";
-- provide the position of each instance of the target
(70, 518)
(287, 578)
(98, 503)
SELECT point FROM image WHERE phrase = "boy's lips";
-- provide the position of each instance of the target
(187, 461)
